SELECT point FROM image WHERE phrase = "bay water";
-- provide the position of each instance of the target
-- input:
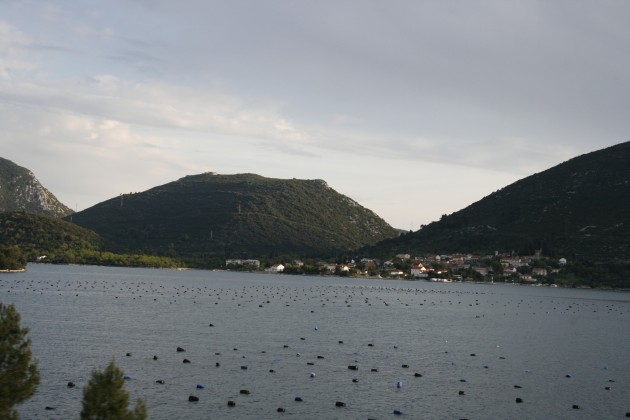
(425, 350)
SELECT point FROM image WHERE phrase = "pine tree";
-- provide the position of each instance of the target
(104, 397)
(19, 376)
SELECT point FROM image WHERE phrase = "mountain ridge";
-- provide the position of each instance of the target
(20, 190)
(576, 209)
(235, 215)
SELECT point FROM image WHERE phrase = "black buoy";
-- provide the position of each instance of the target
(155, 357)
(244, 392)
(280, 410)
(180, 349)
(193, 398)
(462, 393)
(340, 341)
(353, 367)
(49, 408)
(217, 364)
(231, 403)
(128, 354)
(243, 367)
(417, 375)
(518, 386)
(71, 385)
(299, 399)
(519, 400)
(160, 381)
(374, 370)
(340, 404)
(355, 380)
(272, 371)
(405, 366)
(186, 361)
(576, 407)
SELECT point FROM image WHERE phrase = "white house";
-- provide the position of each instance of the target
(418, 270)
(276, 268)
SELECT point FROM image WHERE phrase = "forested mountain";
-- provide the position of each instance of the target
(211, 215)
(20, 190)
(579, 209)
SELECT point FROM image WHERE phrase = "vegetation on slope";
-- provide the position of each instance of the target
(578, 209)
(33, 237)
(11, 258)
(209, 215)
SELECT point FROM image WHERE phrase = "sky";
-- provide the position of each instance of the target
(414, 109)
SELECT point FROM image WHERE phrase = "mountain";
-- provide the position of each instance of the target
(20, 190)
(578, 209)
(235, 215)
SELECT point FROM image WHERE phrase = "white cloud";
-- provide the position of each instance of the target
(13, 57)
(153, 90)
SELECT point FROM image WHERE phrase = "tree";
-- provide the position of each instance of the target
(11, 258)
(104, 397)
(18, 373)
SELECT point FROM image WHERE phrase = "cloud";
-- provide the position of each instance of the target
(315, 87)
(13, 57)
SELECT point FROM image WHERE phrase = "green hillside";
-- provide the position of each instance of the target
(212, 215)
(51, 240)
(44, 235)
(578, 209)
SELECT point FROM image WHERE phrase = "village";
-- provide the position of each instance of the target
(534, 269)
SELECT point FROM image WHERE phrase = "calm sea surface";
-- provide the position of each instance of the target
(553, 348)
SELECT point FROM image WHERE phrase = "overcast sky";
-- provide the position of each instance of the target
(412, 108)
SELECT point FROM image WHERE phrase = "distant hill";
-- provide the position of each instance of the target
(235, 215)
(579, 209)
(52, 240)
(45, 235)
(20, 190)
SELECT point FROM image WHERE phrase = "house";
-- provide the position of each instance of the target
(539, 271)
(397, 273)
(418, 270)
(481, 270)
(526, 277)
(244, 263)
(403, 257)
(562, 261)
(276, 268)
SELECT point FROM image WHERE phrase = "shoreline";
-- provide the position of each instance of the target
(20, 270)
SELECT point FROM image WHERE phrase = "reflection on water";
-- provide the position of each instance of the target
(428, 350)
